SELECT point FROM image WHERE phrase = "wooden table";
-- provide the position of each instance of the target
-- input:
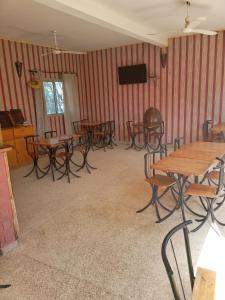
(199, 155)
(52, 144)
(205, 285)
(91, 124)
(217, 148)
(183, 166)
(183, 162)
(207, 151)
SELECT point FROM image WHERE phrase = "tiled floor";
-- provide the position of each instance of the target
(84, 240)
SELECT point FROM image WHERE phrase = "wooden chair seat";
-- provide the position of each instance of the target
(97, 133)
(63, 155)
(162, 181)
(201, 190)
(214, 175)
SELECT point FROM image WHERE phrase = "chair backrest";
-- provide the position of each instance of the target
(67, 146)
(84, 120)
(128, 125)
(151, 116)
(112, 126)
(178, 142)
(50, 134)
(108, 127)
(77, 127)
(169, 270)
(220, 166)
(151, 157)
(30, 147)
(205, 130)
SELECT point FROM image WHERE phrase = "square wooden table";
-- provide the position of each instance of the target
(208, 151)
(217, 148)
(183, 166)
(52, 144)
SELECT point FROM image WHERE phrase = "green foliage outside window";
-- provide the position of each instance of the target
(54, 97)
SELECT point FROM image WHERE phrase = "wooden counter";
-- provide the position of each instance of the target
(9, 228)
(14, 136)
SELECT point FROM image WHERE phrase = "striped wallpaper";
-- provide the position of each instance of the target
(187, 92)
(14, 92)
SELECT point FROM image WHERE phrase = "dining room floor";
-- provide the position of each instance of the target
(84, 240)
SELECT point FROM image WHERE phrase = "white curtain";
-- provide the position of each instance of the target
(41, 117)
(71, 102)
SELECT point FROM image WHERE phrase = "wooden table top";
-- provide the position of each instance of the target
(183, 166)
(205, 285)
(192, 159)
(218, 128)
(55, 141)
(5, 148)
(217, 148)
(91, 124)
(192, 154)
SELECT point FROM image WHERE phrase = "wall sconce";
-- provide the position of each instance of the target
(18, 66)
(163, 57)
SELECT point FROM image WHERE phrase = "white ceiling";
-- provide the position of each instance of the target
(85, 25)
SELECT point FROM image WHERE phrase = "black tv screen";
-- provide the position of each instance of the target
(132, 74)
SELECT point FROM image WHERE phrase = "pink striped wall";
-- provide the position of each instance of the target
(189, 90)
(14, 92)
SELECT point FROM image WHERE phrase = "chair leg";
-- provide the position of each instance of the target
(4, 286)
(156, 203)
(146, 206)
(32, 170)
(203, 219)
(213, 217)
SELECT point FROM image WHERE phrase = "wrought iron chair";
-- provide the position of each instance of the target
(207, 134)
(66, 157)
(152, 117)
(4, 286)
(100, 135)
(133, 132)
(79, 129)
(158, 182)
(211, 195)
(178, 142)
(50, 134)
(35, 152)
(111, 141)
(84, 149)
(169, 270)
(206, 131)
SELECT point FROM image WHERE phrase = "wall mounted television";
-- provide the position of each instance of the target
(132, 74)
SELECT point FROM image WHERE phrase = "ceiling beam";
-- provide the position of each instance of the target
(95, 13)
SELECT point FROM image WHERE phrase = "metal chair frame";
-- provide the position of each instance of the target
(50, 134)
(132, 134)
(68, 153)
(167, 265)
(210, 205)
(150, 158)
(34, 153)
(84, 149)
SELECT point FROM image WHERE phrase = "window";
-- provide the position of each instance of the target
(54, 97)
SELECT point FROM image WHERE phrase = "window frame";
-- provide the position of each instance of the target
(55, 101)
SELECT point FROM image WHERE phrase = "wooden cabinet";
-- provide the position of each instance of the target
(15, 136)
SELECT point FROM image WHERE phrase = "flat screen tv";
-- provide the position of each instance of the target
(132, 74)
